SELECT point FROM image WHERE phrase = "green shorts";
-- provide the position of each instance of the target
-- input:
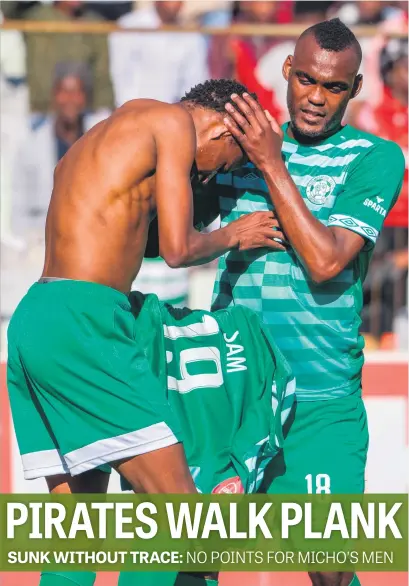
(81, 390)
(325, 449)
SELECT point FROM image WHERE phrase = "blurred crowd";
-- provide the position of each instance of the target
(54, 87)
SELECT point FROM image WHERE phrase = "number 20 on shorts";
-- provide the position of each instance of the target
(322, 484)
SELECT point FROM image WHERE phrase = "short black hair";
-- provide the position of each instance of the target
(214, 94)
(334, 35)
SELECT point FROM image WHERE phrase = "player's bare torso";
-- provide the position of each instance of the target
(104, 198)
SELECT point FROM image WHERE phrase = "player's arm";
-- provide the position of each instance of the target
(179, 243)
(206, 209)
(324, 250)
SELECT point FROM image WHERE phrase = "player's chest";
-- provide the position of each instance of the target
(320, 177)
(320, 180)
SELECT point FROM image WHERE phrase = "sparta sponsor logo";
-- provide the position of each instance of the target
(375, 206)
(229, 486)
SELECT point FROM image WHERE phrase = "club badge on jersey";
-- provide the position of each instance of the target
(319, 188)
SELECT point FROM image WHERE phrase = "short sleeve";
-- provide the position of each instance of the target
(371, 190)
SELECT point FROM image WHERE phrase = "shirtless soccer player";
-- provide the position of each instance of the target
(81, 391)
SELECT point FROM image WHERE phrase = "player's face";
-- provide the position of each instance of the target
(217, 151)
(70, 99)
(320, 85)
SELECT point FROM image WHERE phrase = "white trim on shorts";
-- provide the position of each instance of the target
(135, 443)
(44, 463)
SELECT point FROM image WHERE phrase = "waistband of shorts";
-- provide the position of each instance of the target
(80, 289)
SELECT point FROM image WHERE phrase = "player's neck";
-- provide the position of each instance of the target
(310, 140)
(197, 118)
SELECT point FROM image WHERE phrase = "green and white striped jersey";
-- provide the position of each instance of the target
(350, 180)
(170, 285)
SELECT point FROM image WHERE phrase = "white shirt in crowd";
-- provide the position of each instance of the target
(33, 175)
(160, 66)
(13, 115)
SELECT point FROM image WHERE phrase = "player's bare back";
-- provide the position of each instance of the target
(103, 198)
(113, 181)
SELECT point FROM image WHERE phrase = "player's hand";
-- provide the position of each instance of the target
(258, 230)
(255, 130)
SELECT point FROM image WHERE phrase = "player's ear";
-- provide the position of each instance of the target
(225, 133)
(357, 85)
(287, 67)
(218, 130)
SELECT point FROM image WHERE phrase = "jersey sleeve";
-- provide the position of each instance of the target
(371, 190)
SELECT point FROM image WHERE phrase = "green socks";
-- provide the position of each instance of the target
(67, 579)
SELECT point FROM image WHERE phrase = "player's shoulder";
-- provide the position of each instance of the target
(179, 115)
(173, 125)
(171, 117)
(161, 115)
(374, 147)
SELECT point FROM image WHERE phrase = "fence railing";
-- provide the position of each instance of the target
(267, 30)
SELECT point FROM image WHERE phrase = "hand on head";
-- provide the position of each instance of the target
(258, 133)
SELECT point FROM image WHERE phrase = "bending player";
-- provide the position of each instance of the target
(81, 390)
(73, 355)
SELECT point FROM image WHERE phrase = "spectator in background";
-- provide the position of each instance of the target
(216, 13)
(31, 180)
(13, 128)
(367, 12)
(269, 68)
(13, 115)
(15, 9)
(44, 51)
(48, 141)
(161, 66)
(238, 57)
(222, 55)
(110, 10)
(389, 17)
(389, 118)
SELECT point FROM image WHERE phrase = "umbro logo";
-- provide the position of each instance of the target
(251, 176)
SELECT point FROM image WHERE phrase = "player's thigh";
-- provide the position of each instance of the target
(325, 449)
(90, 382)
(161, 471)
(93, 482)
